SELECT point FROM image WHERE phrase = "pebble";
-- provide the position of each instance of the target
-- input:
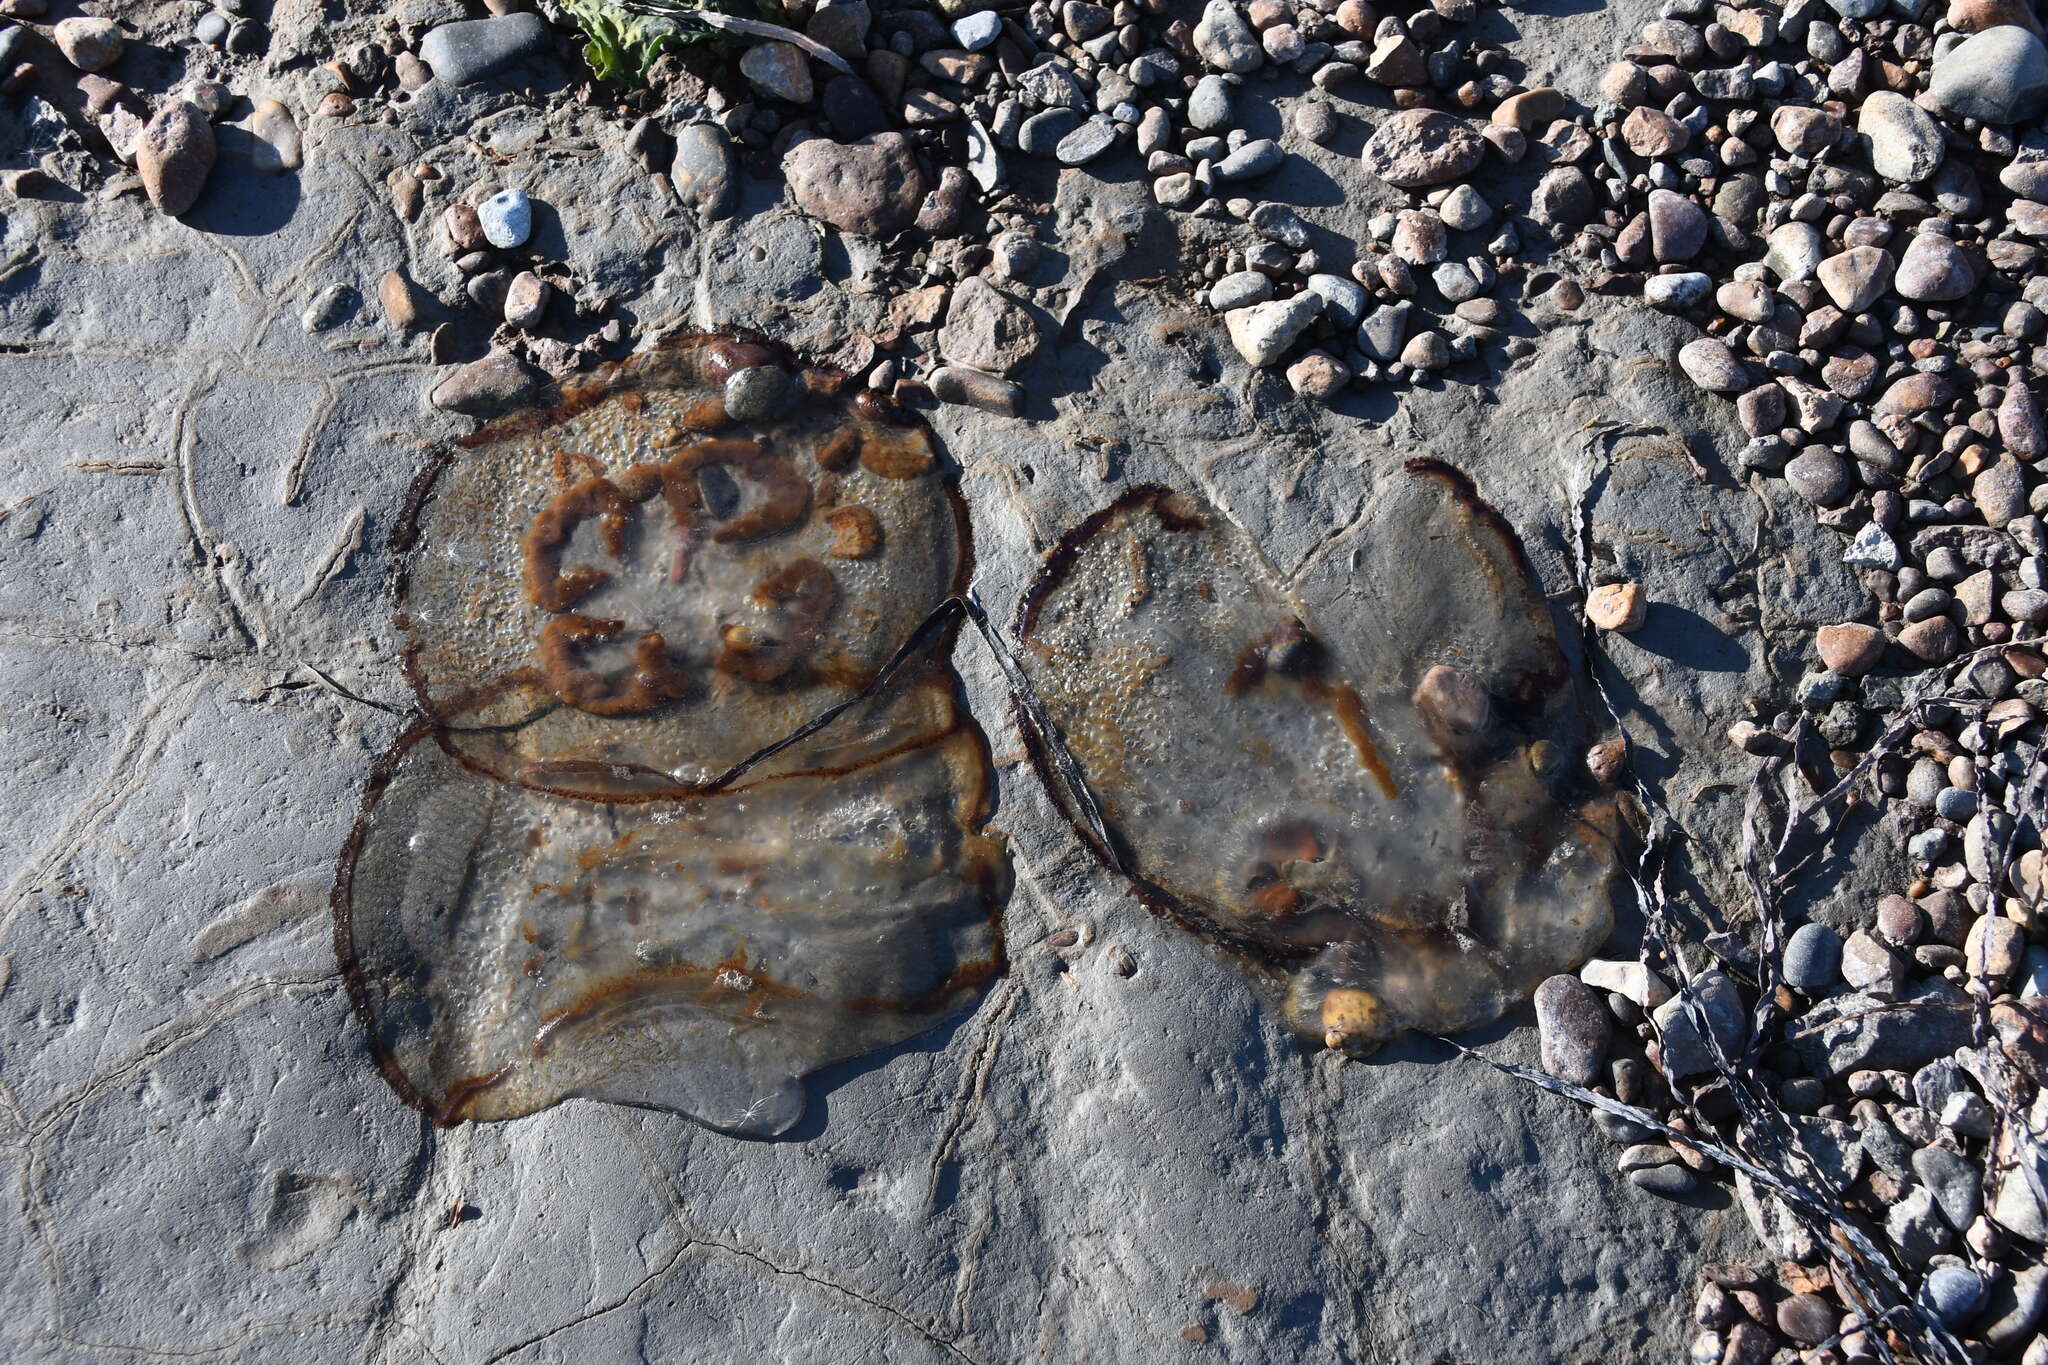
(1225, 41)
(985, 329)
(779, 70)
(1906, 144)
(1678, 293)
(1803, 131)
(1421, 147)
(1670, 1182)
(328, 308)
(174, 157)
(472, 50)
(1934, 269)
(1808, 1319)
(1343, 300)
(1872, 549)
(464, 229)
(1318, 375)
(89, 44)
(1209, 105)
(1678, 226)
(1633, 981)
(1043, 132)
(1315, 121)
(1952, 1293)
(1855, 279)
(977, 31)
(2013, 1308)
(871, 187)
(1258, 157)
(702, 171)
(1573, 1028)
(1686, 1051)
(526, 303)
(1819, 475)
(1465, 210)
(277, 146)
(1915, 1227)
(487, 386)
(1813, 955)
(1709, 363)
(1090, 140)
(1385, 329)
(1794, 251)
(399, 299)
(972, 388)
(1263, 332)
(1618, 607)
(1997, 76)
(1240, 290)
(506, 219)
(756, 393)
(1954, 1181)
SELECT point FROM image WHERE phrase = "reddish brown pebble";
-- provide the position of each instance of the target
(1933, 641)
(1605, 759)
(1617, 606)
(1851, 649)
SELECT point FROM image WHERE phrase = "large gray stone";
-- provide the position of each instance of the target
(477, 49)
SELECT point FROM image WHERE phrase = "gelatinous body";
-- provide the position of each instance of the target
(693, 807)
(1367, 779)
(633, 596)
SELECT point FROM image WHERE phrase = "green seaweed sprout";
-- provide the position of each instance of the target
(621, 46)
(625, 36)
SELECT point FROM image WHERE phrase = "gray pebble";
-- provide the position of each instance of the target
(1813, 954)
(474, 49)
(1669, 1182)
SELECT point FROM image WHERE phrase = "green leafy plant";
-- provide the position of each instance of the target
(619, 46)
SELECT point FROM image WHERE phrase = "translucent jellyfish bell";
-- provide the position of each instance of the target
(1357, 779)
(694, 807)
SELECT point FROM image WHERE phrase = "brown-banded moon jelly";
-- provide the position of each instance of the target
(692, 807)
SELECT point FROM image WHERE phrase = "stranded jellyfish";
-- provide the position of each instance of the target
(693, 807)
(1365, 778)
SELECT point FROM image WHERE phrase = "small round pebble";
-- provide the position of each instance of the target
(1952, 1293)
(1953, 803)
(506, 218)
(1808, 1319)
(756, 393)
(1812, 957)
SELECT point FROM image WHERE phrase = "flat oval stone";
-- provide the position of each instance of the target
(475, 49)
(1090, 140)
(1572, 1030)
(1709, 363)
(1421, 147)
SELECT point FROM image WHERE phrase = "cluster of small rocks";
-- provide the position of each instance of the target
(1845, 196)
(1873, 1071)
(918, 137)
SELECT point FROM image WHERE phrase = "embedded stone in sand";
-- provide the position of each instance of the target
(1362, 778)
